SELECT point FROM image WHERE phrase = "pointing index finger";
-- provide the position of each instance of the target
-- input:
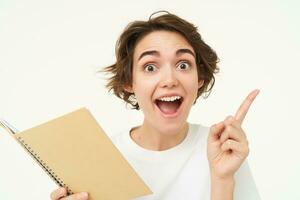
(244, 107)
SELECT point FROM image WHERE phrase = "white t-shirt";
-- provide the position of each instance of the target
(181, 172)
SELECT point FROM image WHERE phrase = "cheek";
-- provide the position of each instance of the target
(191, 83)
(191, 91)
(143, 88)
(194, 89)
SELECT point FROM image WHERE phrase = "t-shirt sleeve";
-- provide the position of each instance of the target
(245, 188)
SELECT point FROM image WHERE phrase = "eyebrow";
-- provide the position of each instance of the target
(156, 53)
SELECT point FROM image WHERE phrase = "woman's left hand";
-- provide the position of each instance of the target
(227, 146)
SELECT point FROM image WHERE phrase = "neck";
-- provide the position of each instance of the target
(150, 138)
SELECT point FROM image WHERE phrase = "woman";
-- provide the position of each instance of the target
(162, 67)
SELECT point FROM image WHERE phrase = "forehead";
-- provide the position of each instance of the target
(161, 41)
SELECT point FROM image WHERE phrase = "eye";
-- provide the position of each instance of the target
(184, 65)
(150, 68)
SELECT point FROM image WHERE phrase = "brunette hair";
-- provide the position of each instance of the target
(121, 71)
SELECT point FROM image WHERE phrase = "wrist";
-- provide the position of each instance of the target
(222, 188)
(222, 180)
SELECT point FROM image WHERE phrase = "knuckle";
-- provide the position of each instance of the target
(53, 194)
(213, 127)
(229, 128)
(228, 120)
(229, 142)
(224, 136)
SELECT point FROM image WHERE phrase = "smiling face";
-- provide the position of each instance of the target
(165, 80)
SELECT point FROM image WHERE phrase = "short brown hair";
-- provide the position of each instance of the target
(121, 71)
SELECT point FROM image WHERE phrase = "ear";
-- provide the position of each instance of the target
(128, 88)
(200, 83)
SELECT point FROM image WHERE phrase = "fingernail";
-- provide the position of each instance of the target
(83, 195)
(228, 119)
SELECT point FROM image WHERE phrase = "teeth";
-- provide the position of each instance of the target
(173, 98)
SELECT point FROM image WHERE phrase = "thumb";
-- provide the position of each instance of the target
(215, 131)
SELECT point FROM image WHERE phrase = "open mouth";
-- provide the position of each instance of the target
(169, 105)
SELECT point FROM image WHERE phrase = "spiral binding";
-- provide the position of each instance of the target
(46, 168)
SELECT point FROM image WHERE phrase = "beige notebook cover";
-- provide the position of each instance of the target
(76, 153)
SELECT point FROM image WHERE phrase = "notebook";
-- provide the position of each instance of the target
(77, 154)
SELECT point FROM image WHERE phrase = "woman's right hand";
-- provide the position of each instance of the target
(61, 194)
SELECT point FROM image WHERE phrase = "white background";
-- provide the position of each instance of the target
(50, 52)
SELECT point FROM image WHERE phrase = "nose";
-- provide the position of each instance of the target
(168, 78)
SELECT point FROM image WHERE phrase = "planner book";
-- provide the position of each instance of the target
(76, 153)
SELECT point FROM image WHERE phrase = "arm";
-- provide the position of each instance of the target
(227, 149)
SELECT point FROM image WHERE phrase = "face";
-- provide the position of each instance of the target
(165, 80)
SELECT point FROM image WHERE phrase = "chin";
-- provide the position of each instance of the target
(171, 128)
